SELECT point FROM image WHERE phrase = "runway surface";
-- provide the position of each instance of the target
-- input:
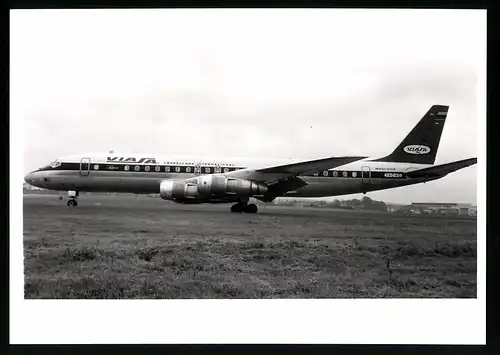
(128, 246)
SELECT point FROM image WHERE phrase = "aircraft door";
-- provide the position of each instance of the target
(85, 166)
(366, 175)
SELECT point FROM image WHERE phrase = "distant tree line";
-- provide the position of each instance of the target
(365, 203)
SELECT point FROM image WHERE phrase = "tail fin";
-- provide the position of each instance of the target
(421, 144)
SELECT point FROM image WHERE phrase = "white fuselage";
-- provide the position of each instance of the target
(144, 173)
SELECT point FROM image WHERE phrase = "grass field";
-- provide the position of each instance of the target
(128, 246)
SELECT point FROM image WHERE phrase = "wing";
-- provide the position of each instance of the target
(441, 170)
(272, 174)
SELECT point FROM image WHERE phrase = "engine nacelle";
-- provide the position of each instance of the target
(177, 190)
(209, 186)
(220, 185)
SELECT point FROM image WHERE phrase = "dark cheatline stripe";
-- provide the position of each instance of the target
(211, 170)
(358, 174)
(140, 168)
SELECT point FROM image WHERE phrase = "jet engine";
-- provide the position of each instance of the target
(209, 186)
(177, 190)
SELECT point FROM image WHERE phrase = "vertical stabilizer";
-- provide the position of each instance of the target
(421, 144)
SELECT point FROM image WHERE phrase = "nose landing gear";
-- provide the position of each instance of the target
(73, 195)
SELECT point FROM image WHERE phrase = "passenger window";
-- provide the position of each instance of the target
(96, 167)
(344, 174)
(188, 169)
(325, 173)
(335, 173)
(167, 169)
(226, 170)
(207, 170)
(354, 174)
(177, 169)
(146, 168)
(157, 168)
(127, 168)
(137, 168)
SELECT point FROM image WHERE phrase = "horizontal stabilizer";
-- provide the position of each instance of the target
(442, 170)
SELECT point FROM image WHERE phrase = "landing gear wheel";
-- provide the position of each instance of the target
(251, 208)
(72, 203)
(237, 208)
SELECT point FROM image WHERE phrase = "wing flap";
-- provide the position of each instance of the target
(443, 169)
(281, 187)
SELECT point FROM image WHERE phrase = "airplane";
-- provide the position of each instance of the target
(188, 180)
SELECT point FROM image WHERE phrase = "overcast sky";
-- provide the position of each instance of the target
(273, 83)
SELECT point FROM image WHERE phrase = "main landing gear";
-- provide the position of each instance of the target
(73, 195)
(244, 207)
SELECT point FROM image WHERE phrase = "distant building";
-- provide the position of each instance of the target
(29, 187)
(442, 208)
(391, 208)
(395, 207)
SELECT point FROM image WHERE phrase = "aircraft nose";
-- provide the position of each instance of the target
(31, 179)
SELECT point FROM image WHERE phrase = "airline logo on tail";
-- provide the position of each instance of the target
(417, 149)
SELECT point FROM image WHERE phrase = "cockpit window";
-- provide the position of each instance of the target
(55, 164)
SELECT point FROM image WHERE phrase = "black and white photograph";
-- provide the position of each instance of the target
(250, 154)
